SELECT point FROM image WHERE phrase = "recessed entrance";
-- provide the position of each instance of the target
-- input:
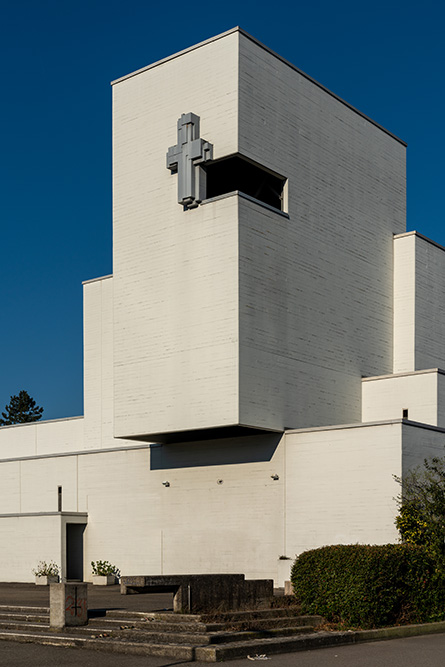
(74, 551)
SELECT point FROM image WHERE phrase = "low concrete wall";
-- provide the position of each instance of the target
(203, 592)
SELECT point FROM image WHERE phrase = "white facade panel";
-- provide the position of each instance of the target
(315, 290)
(175, 307)
(340, 487)
(98, 363)
(387, 397)
(404, 304)
(419, 312)
(430, 304)
(37, 438)
(26, 540)
(223, 510)
(420, 444)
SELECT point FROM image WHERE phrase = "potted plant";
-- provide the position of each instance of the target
(46, 573)
(104, 573)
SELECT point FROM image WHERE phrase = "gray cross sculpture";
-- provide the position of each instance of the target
(186, 157)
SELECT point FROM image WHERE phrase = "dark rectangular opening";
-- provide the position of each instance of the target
(238, 173)
(405, 413)
(74, 551)
(59, 498)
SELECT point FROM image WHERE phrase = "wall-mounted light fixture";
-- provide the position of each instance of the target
(165, 483)
(275, 477)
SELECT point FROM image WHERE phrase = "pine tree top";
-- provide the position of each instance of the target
(20, 410)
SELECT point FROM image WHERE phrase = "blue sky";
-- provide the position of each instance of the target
(58, 58)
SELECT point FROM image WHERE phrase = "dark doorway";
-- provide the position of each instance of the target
(74, 551)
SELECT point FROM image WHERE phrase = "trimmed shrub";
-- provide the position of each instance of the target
(370, 586)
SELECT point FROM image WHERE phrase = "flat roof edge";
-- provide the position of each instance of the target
(385, 422)
(189, 49)
(424, 371)
(41, 422)
(420, 236)
(96, 280)
(273, 53)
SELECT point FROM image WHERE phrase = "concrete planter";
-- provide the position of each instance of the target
(104, 580)
(46, 580)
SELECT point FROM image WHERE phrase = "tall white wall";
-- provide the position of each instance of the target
(316, 295)
(419, 313)
(175, 271)
(430, 304)
(230, 313)
(404, 303)
(98, 362)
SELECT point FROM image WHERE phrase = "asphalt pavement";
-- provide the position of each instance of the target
(424, 651)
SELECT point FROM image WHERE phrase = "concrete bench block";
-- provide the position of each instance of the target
(202, 592)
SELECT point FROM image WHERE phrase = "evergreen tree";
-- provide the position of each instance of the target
(21, 409)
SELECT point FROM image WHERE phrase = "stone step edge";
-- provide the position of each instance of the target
(243, 649)
(252, 613)
(186, 653)
(6, 608)
(279, 621)
(161, 626)
(220, 652)
(44, 618)
(154, 637)
(198, 639)
(155, 615)
(206, 618)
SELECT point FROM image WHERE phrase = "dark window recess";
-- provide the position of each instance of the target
(237, 173)
(59, 498)
(405, 413)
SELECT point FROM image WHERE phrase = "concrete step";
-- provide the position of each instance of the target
(180, 636)
(140, 636)
(270, 646)
(185, 653)
(6, 609)
(199, 628)
(32, 618)
(187, 638)
(275, 612)
(24, 626)
(209, 653)
(267, 623)
(153, 615)
(147, 625)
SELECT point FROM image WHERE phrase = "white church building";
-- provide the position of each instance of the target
(268, 352)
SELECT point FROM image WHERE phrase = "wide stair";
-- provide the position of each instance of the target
(201, 637)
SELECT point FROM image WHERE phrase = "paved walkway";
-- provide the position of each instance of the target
(411, 652)
(99, 597)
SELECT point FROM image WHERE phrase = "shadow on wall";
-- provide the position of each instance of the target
(247, 449)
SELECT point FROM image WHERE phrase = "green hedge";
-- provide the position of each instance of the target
(370, 586)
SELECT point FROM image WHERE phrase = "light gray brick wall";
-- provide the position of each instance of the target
(316, 297)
